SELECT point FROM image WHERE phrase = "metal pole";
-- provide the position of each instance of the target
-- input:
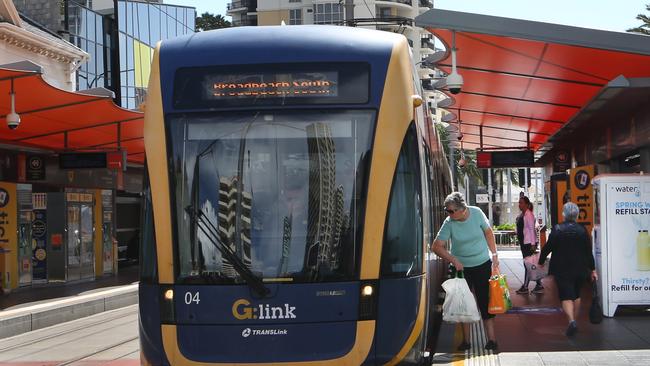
(526, 170)
(453, 167)
(509, 195)
(490, 196)
(466, 180)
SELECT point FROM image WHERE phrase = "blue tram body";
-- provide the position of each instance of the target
(294, 184)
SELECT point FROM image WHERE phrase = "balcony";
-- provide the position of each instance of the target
(249, 6)
(245, 22)
(396, 2)
(395, 19)
(426, 43)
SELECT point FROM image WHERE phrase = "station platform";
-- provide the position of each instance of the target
(40, 306)
(532, 332)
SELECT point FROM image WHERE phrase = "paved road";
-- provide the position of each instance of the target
(109, 338)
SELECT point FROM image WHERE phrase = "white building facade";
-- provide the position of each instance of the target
(20, 41)
(388, 15)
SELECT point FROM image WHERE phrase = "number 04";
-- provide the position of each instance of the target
(192, 298)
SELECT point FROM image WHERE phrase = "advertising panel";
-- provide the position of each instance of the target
(628, 224)
(8, 236)
(39, 232)
(582, 194)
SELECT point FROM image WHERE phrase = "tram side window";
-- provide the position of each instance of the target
(148, 268)
(402, 247)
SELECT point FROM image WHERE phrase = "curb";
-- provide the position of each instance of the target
(26, 319)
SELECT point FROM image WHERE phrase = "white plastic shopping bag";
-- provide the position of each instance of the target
(460, 305)
(535, 271)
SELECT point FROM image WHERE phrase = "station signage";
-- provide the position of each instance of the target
(582, 194)
(505, 159)
(8, 237)
(35, 169)
(93, 160)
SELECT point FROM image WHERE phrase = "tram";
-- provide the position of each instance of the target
(294, 182)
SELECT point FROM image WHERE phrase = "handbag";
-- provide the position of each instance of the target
(459, 305)
(595, 311)
(535, 271)
(499, 302)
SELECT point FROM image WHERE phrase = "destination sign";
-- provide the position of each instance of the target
(505, 159)
(272, 85)
(288, 84)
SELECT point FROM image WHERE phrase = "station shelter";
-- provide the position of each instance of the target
(578, 99)
(60, 169)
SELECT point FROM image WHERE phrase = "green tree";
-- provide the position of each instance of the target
(645, 27)
(208, 21)
(470, 168)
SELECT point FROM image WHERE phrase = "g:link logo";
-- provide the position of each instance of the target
(242, 310)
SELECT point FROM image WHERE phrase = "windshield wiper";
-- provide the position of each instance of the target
(210, 231)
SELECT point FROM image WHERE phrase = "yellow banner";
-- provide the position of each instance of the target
(8, 235)
(582, 194)
(560, 199)
(142, 55)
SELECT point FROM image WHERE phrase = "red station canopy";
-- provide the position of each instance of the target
(57, 120)
(524, 80)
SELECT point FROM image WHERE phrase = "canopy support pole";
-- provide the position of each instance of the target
(119, 136)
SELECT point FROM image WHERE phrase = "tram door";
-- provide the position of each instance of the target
(79, 230)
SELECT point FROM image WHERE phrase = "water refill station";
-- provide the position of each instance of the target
(621, 239)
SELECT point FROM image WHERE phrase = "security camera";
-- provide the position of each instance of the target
(454, 82)
(13, 120)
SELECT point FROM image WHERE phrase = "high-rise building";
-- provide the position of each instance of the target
(387, 15)
(243, 12)
(323, 222)
(227, 223)
(119, 36)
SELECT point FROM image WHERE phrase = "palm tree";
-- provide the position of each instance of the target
(645, 27)
(208, 21)
(470, 168)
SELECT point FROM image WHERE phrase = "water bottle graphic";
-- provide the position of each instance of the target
(643, 251)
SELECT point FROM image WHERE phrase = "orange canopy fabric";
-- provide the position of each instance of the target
(58, 120)
(523, 81)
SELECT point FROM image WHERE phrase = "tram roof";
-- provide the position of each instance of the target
(531, 78)
(57, 120)
(296, 43)
(278, 45)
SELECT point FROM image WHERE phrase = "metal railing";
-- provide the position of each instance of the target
(405, 2)
(395, 19)
(244, 22)
(506, 237)
(250, 4)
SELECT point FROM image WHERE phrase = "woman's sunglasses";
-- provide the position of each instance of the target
(451, 212)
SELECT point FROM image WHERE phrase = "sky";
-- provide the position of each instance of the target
(613, 15)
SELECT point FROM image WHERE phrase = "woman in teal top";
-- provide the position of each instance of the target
(472, 246)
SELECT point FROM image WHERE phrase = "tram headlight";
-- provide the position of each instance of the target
(368, 300)
(166, 302)
(169, 295)
(367, 290)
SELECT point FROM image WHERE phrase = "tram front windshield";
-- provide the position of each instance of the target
(275, 194)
